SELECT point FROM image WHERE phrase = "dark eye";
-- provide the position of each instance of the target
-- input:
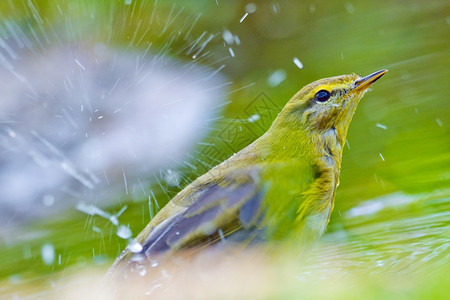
(322, 96)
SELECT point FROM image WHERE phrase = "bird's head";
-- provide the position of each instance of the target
(328, 104)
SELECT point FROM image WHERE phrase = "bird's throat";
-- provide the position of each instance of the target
(329, 149)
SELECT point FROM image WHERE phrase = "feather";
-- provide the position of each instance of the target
(227, 204)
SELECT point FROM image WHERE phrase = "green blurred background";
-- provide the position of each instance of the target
(392, 206)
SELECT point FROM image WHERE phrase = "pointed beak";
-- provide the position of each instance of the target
(365, 82)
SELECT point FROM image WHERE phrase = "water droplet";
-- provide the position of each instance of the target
(134, 246)
(231, 51)
(243, 18)
(253, 118)
(48, 254)
(124, 232)
(250, 8)
(276, 78)
(298, 63)
(381, 126)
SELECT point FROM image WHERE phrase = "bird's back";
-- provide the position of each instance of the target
(231, 203)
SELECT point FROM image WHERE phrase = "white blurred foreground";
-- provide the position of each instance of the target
(84, 121)
(245, 275)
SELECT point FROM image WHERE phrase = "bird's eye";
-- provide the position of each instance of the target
(322, 96)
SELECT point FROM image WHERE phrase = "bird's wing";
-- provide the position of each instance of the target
(212, 212)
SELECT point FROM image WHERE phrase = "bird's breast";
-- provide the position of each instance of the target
(317, 222)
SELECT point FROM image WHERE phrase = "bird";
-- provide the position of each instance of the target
(281, 186)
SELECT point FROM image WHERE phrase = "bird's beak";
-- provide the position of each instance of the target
(365, 82)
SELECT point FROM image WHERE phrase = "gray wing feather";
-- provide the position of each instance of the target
(227, 206)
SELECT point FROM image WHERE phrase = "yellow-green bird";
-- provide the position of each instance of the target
(282, 186)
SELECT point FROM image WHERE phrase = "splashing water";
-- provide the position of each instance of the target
(77, 107)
